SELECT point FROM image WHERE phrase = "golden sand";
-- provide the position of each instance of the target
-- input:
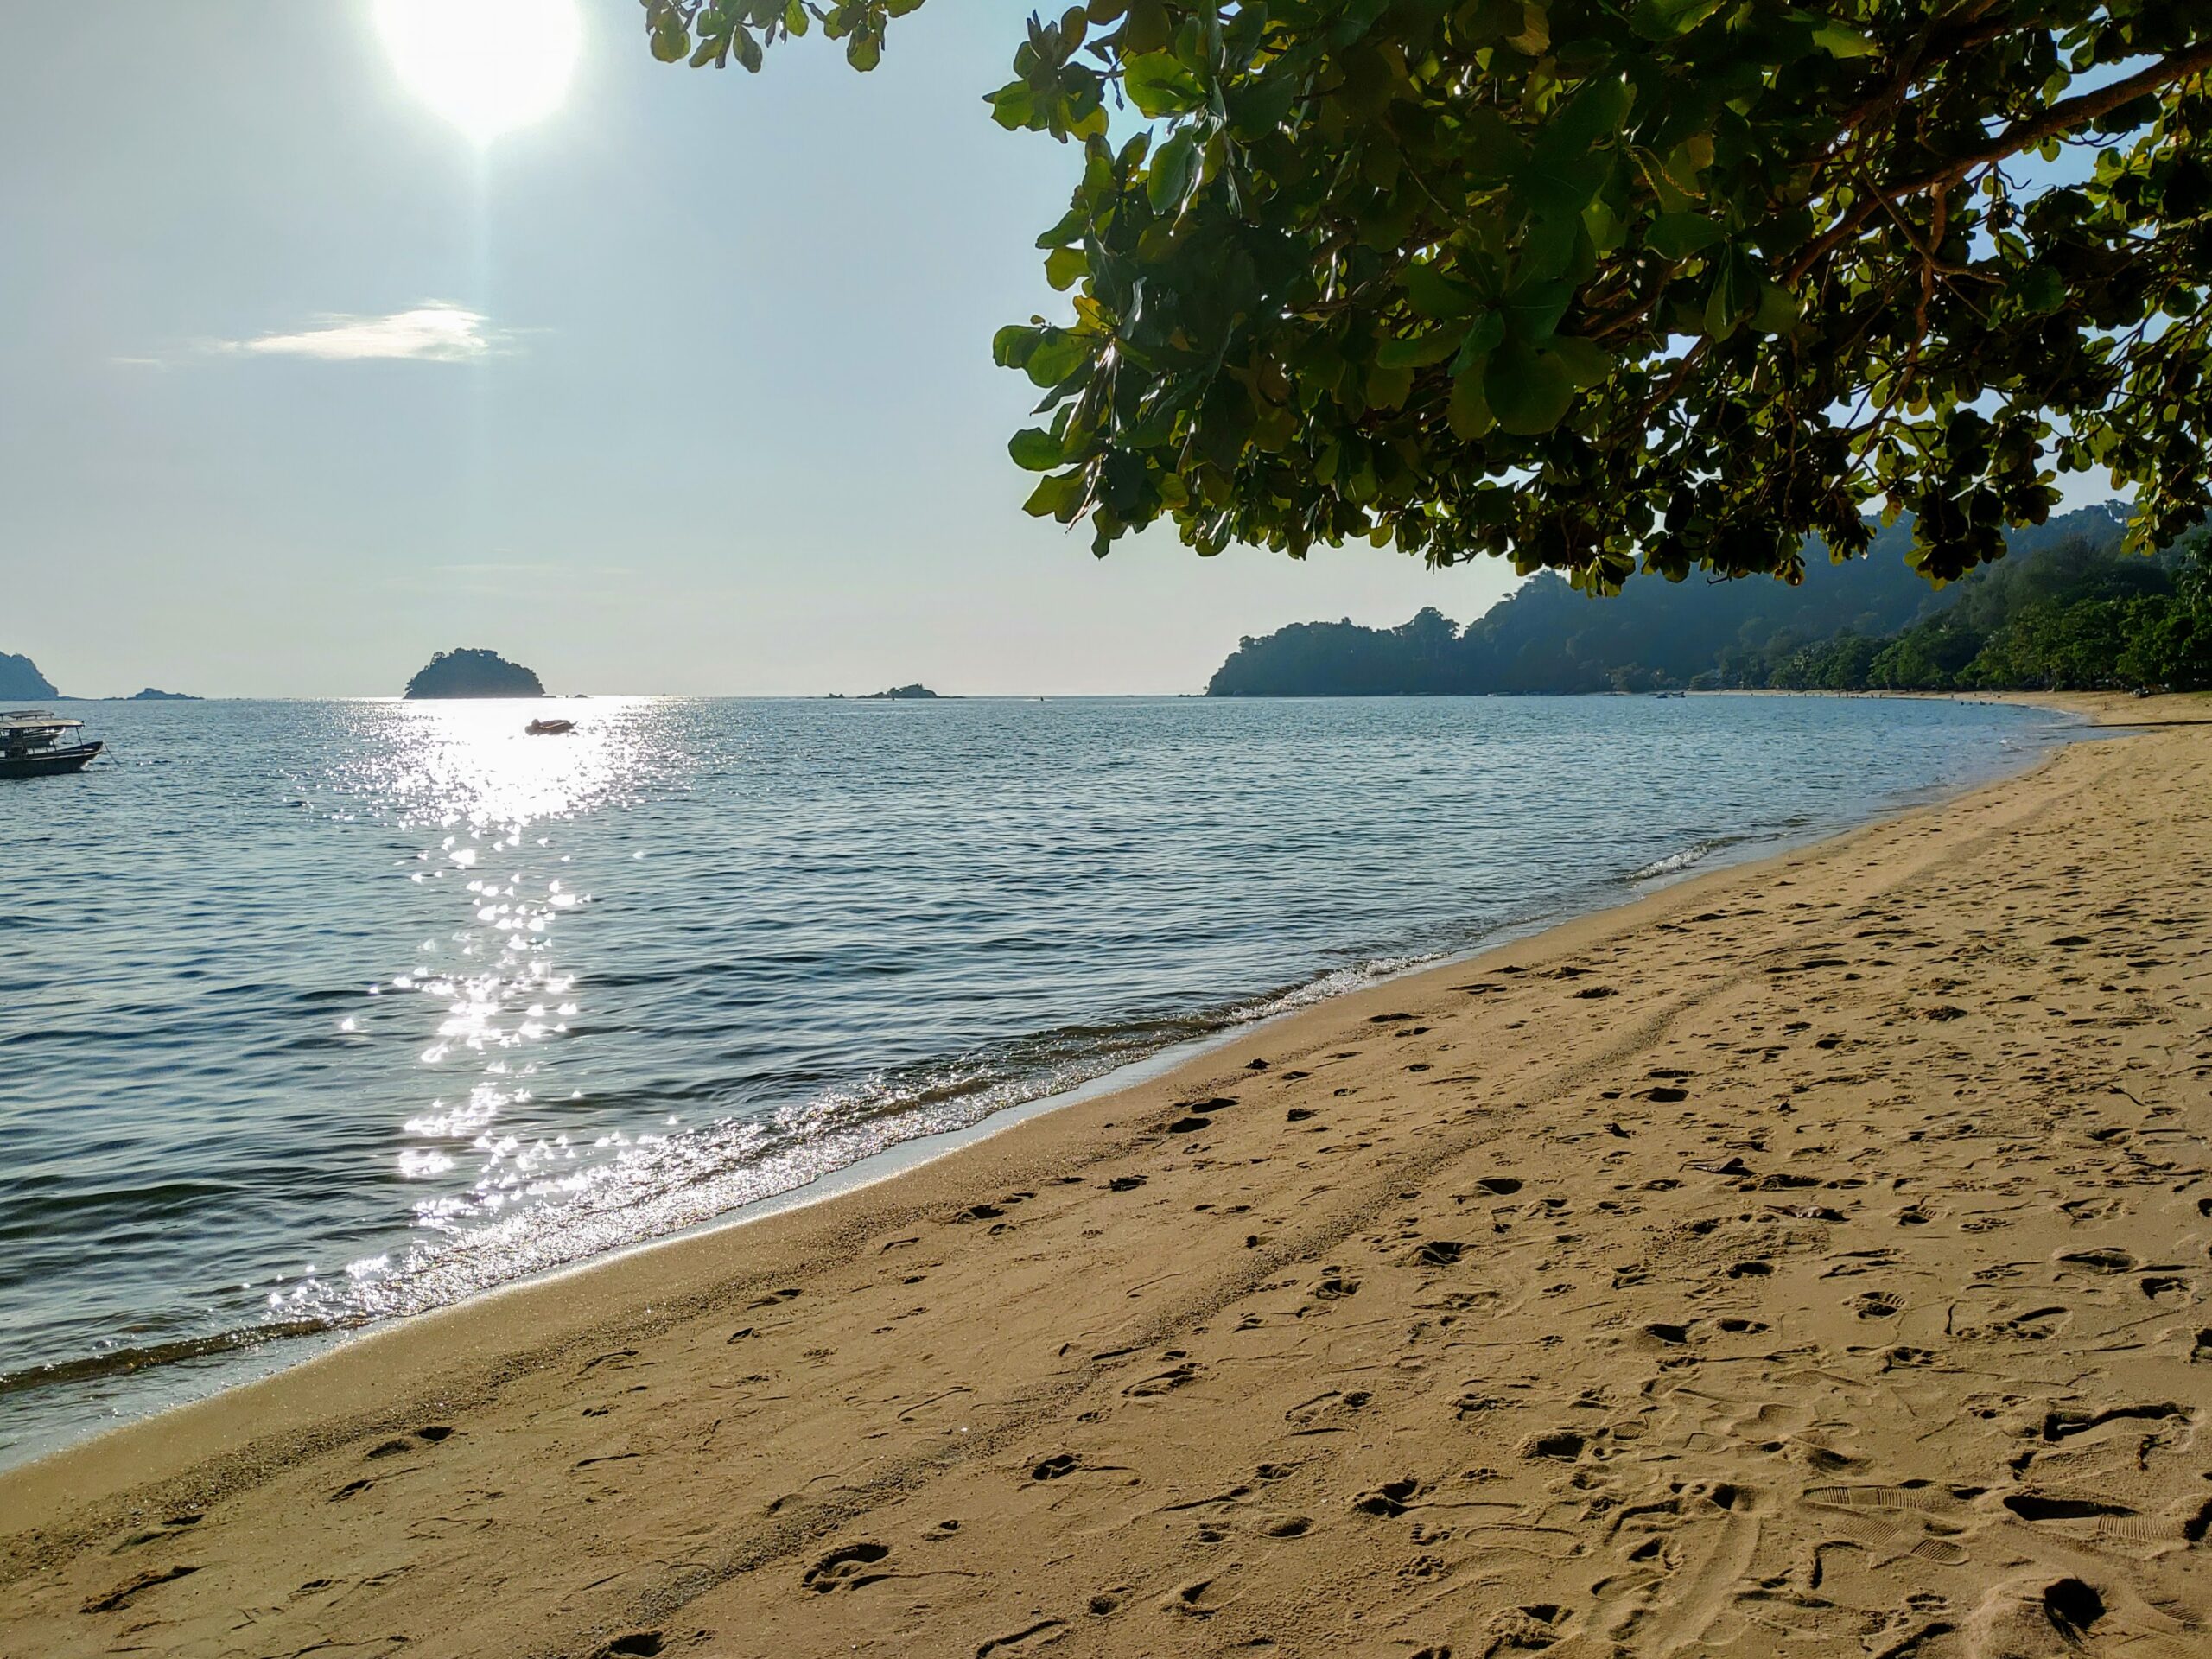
(1810, 1259)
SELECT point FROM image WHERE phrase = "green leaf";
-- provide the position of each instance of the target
(1528, 390)
(1586, 362)
(1842, 40)
(1012, 345)
(2040, 289)
(1678, 235)
(1734, 296)
(1387, 385)
(1469, 413)
(1174, 171)
(1482, 339)
(1432, 294)
(1147, 29)
(1057, 355)
(1534, 312)
(1159, 84)
(671, 39)
(1014, 106)
(1662, 20)
(1418, 351)
(1035, 450)
(1065, 268)
(1057, 497)
(1778, 310)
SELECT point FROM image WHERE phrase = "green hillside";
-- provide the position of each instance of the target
(1869, 622)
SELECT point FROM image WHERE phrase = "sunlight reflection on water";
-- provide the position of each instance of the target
(471, 774)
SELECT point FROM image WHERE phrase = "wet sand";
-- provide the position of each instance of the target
(1811, 1258)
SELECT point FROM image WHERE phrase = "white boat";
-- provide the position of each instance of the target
(33, 744)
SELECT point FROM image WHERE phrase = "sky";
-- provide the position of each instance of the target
(685, 387)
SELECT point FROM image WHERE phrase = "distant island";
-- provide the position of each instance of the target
(2065, 610)
(153, 694)
(20, 679)
(473, 673)
(901, 694)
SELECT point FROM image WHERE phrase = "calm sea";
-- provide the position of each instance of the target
(314, 1013)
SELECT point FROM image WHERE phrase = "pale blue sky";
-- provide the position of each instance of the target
(738, 429)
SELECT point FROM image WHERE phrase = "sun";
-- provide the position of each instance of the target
(487, 66)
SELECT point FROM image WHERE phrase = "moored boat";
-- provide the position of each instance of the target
(33, 744)
(549, 728)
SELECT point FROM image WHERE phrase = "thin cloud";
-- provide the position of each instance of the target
(435, 333)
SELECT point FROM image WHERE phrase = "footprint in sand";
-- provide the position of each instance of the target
(1388, 1500)
(2097, 1520)
(2102, 1259)
(846, 1567)
(1530, 1628)
(1562, 1445)
(431, 1434)
(121, 1597)
(1162, 1382)
(2037, 1324)
(1199, 1599)
(1895, 1521)
(1031, 1637)
(1326, 1412)
(1334, 1287)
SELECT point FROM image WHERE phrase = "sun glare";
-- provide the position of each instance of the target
(487, 66)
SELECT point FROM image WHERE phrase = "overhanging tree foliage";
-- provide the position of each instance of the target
(1586, 282)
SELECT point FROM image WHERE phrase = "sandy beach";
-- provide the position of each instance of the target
(1808, 1259)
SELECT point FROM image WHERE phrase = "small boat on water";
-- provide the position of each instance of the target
(549, 728)
(33, 744)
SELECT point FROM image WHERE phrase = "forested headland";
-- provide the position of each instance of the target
(2067, 609)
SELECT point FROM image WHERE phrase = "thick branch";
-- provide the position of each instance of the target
(2061, 117)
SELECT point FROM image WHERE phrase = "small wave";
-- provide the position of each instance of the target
(665, 1183)
(1688, 857)
(1337, 983)
(114, 1362)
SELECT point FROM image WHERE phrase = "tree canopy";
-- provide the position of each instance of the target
(1591, 283)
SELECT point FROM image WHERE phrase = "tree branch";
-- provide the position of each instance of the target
(2060, 117)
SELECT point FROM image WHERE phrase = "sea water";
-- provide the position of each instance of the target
(314, 1015)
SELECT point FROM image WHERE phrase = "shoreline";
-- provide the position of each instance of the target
(256, 1467)
(244, 1360)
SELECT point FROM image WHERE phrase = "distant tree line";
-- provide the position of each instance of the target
(2068, 610)
(2081, 617)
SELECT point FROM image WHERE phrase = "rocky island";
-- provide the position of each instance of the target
(20, 680)
(902, 694)
(154, 694)
(473, 673)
